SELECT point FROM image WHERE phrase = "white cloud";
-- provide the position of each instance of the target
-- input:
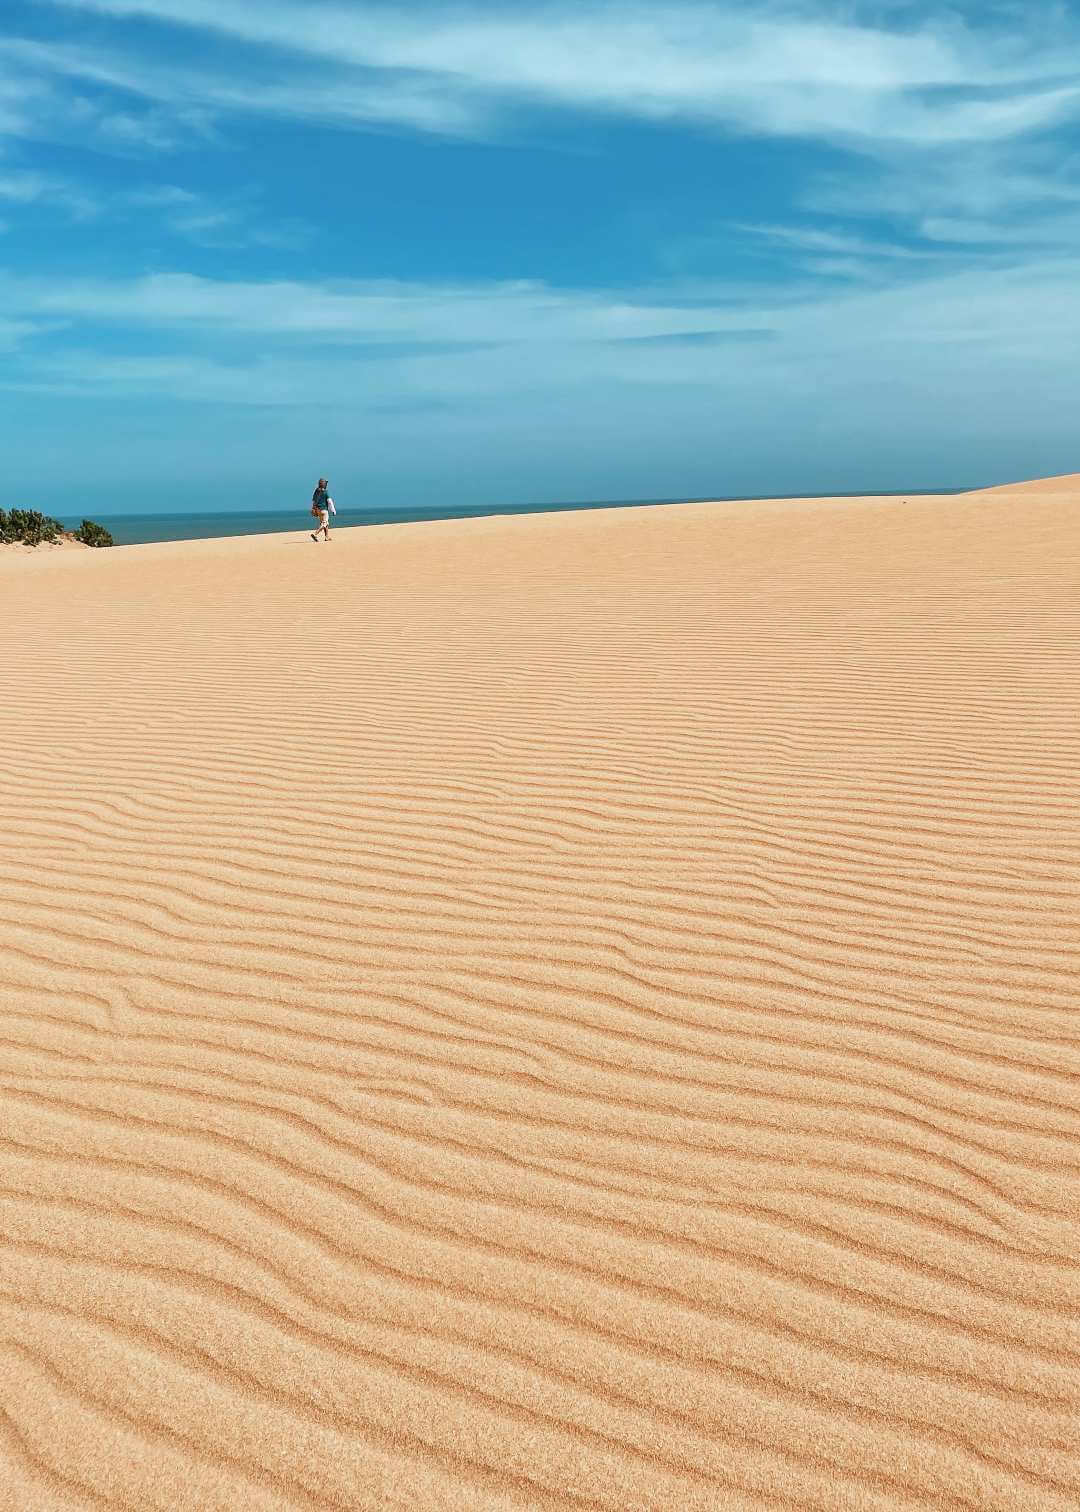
(1000, 197)
(519, 386)
(14, 332)
(223, 223)
(182, 101)
(234, 222)
(841, 243)
(362, 345)
(944, 113)
(24, 186)
(763, 69)
(1057, 231)
(372, 312)
(932, 286)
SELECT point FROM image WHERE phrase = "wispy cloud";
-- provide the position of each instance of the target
(912, 262)
(222, 223)
(177, 101)
(1004, 196)
(771, 68)
(733, 335)
(943, 115)
(373, 312)
(42, 99)
(22, 186)
(350, 345)
(234, 222)
(814, 239)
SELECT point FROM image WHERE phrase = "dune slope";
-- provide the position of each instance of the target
(1065, 484)
(574, 1011)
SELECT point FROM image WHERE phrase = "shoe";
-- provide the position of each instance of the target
(315, 538)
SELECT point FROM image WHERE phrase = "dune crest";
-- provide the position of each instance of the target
(560, 1011)
(1067, 483)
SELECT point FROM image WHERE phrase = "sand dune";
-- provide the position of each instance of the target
(572, 1011)
(1067, 483)
(44, 548)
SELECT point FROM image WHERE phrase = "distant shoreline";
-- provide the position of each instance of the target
(195, 525)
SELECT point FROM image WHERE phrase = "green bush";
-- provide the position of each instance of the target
(29, 526)
(93, 534)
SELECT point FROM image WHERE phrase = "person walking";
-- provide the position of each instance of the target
(322, 507)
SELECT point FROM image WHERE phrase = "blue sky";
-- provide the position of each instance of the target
(486, 254)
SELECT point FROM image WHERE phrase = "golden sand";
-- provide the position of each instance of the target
(44, 548)
(571, 1011)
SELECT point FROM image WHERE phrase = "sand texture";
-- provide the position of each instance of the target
(44, 548)
(1067, 485)
(573, 1011)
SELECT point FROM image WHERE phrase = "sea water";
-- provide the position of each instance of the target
(138, 529)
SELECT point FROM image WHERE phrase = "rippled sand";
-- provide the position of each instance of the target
(571, 1011)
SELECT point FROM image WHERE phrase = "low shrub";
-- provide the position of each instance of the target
(93, 534)
(29, 526)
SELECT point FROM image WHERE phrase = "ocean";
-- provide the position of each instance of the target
(138, 529)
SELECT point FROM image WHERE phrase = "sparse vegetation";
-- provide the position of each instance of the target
(29, 527)
(93, 534)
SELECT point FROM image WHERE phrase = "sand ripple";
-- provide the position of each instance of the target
(572, 1012)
